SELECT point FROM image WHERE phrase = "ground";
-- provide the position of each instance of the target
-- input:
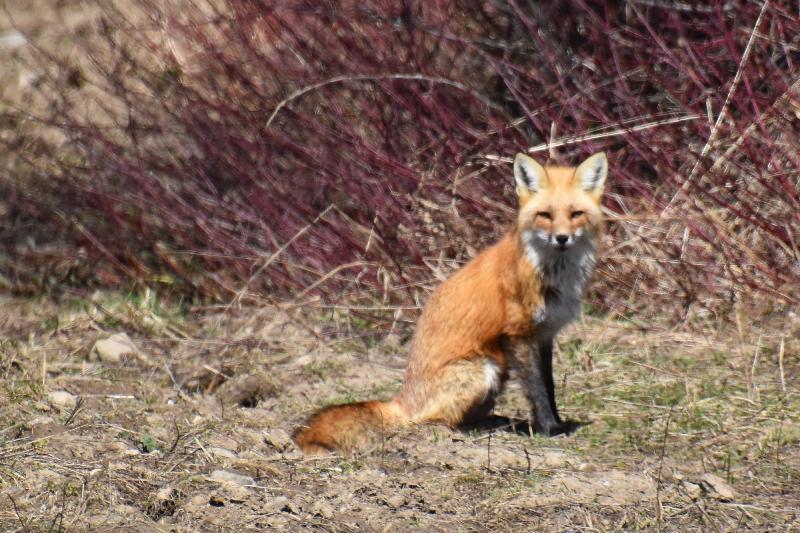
(690, 426)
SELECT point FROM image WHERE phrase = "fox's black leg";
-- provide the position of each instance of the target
(540, 389)
(545, 350)
(534, 358)
(551, 423)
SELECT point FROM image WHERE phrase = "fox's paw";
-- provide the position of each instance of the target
(567, 427)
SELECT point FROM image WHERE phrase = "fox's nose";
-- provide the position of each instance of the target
(562, 239)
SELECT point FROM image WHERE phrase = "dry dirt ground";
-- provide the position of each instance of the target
(692, 427)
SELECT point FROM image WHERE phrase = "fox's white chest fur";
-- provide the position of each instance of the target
(565, 273)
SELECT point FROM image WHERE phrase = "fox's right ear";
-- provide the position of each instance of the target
(529, 175)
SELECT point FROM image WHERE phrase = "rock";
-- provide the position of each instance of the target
(717, 487)
(12, 39)
(232, 493)
(692, 489)
(396, 501)
(62, 399)
(277, 438)
(223, 476)
(112, 349)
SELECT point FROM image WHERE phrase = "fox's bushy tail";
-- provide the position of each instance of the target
(349, 427)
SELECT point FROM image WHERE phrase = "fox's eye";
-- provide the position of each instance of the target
(576, 214)
(544, 214)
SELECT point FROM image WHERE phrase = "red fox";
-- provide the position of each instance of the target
(502, 308)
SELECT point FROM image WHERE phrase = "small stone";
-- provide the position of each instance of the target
(111, 349)
(233, 493)
(223, 476)
(396, 501)
(62, 399)
(717, 487)
(692, 489)
(277, 438)
(12, 39)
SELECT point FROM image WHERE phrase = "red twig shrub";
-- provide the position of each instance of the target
(350, 148)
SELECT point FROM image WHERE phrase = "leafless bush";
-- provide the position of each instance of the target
(347, 150)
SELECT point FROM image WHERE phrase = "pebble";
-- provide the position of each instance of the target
(396, 501)
(12, 39)
(111, 349)
(62, 398)
(692, 489)
(717, 487)
(222, 476)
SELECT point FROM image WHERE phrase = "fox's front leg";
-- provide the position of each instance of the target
(535, 358)
(541, 390)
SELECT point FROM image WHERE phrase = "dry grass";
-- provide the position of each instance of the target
(216, 391)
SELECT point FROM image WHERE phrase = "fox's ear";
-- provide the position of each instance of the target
(529, 175)
(591, 174)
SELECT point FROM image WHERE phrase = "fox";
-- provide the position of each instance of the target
(501, 310)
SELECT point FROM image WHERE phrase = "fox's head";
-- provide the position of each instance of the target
(560, 206)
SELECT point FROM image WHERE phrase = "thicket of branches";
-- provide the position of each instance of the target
(360, 149)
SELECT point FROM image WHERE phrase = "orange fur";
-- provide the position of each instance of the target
(459, 360)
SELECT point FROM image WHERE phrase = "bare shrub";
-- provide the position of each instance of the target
(348, 150)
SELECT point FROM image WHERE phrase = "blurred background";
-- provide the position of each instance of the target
(358, 152)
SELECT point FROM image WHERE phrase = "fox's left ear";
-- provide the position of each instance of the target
(591, 174)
